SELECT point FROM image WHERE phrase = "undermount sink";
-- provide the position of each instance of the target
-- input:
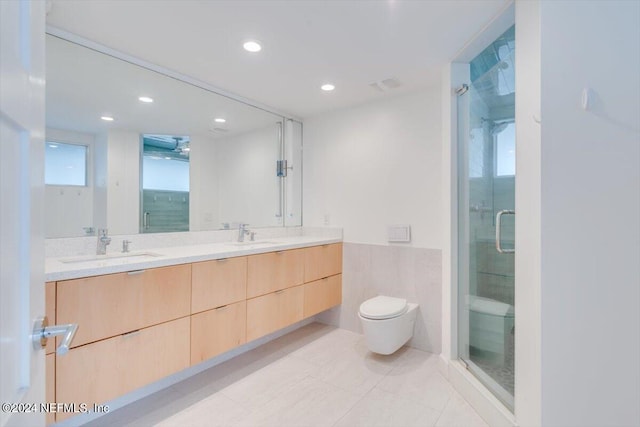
(251, 243)
(137, 255)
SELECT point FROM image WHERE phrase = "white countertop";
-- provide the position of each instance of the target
(115, 262)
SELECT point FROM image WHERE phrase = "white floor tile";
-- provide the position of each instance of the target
(315, 376)
(381, 409)
(311, 403)
(265, 384)
(418, 378)
(216, 410)
(458, 413)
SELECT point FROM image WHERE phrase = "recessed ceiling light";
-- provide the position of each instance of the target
(107, 118)
(53, 146)
(252, 46)
(327, 87)
(145, 99)
(220, 120)
(167, 158)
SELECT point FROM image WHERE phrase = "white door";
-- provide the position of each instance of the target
(21, 209)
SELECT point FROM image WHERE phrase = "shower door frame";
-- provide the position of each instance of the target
(463, 221)
(456, 74)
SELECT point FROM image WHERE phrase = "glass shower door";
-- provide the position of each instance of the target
(486, 234)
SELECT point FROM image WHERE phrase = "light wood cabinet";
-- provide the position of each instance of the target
(109, 305)
(138, 327)
(217, 283)
(274, 311)
(50, 312)
(322, 261)
(50, 385)
(274, 271)
(215, 331)
(322, 294)
(106, 369)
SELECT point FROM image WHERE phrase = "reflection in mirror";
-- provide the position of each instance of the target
(227, 149)
(165, 183)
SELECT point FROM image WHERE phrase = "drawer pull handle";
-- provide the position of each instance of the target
(325, 278)
(222, 308)
(222, 259)
(279, 292)
(135, 272)
(279, 252)
(130, 334)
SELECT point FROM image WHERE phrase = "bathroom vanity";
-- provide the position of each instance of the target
(143, 318)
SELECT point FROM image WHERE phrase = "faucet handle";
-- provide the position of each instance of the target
(103, 231)
(125, 246)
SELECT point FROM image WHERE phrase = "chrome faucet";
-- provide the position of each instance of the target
(242, 230)
(103, 241)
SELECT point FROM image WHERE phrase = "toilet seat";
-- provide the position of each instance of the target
(382, 307)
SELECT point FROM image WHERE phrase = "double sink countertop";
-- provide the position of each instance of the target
(74, 267)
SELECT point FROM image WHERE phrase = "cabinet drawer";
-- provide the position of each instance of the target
(109, 305)
(274, 311)
(217, 283)
(106, 369)
(215, 331)
(274, 271)
(322, 294)
(322, 261)
(50, 312)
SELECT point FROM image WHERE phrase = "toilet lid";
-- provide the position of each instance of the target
(382, 307)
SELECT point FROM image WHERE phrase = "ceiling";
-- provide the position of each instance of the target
(305, 43)
(83, 85)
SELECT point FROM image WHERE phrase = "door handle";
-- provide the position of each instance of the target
(498, 231)
(42, 332)
(145, 220)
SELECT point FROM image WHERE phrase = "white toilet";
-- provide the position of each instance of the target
(387, 322)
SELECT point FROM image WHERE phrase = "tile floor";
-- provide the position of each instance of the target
(315, 376)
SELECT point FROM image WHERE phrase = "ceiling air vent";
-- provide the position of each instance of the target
(219, 130)
(386, 84)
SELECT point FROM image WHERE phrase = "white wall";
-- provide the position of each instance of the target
(368, 167)
(586, 174)
(375, 165)
(70, 208)
(248, 186)
(203, 193)
(123, 197)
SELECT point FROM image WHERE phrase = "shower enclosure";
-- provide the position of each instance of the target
(486, 189)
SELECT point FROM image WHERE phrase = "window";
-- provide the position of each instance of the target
(165, 173)
(65, 164)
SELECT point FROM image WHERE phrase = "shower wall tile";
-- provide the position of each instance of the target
(397, 271)
(496, 287)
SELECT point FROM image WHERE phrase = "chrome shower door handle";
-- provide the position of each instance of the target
(498, 231)
(42, 332)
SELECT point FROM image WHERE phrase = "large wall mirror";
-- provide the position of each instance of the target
(135, 151)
